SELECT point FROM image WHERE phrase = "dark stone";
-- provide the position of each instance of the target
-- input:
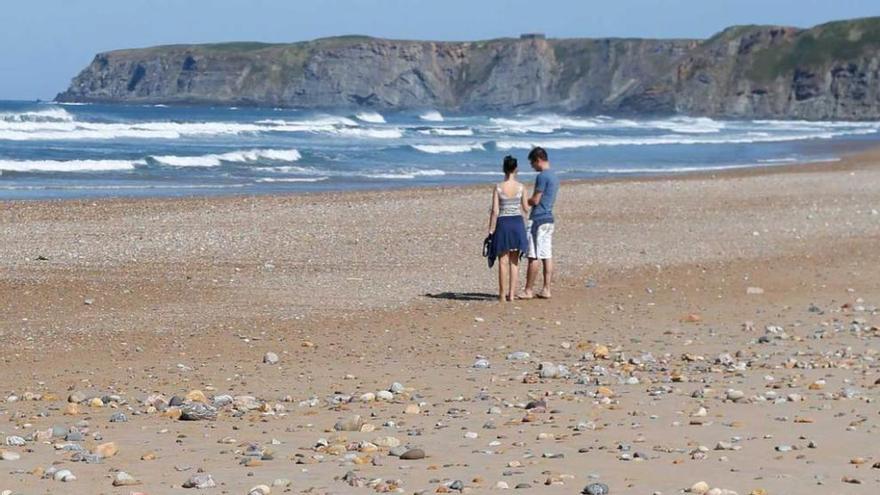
(596, 489)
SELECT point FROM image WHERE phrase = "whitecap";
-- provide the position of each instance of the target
(67, 165)
(447, 131)
(371, 117)
(292, 179)
(587, 142)
(406, 174)
(448, 148)
(238, 156)
(49, 114)
(432, 116)
(390, 133)
(688, 125)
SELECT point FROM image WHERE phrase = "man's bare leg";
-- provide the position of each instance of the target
(548, 278)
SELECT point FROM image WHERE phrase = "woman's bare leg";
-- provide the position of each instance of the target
(503, 270)
(514, 273)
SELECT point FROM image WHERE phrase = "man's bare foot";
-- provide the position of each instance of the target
(526, 294)
(544, 294)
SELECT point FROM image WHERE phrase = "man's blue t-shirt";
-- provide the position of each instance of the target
(548, 185)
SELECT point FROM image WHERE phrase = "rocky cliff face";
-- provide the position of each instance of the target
(827, 72)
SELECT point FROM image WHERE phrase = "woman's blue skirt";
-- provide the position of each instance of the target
(510, 234)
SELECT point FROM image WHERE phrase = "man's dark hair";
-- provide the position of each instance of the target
(537, 154)
(509, 164)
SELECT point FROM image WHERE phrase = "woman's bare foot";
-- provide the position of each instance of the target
(544, 294)
(526, 294)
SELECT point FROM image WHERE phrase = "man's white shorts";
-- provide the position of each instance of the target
(542, 247)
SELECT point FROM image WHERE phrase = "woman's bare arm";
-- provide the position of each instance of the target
(493, 211)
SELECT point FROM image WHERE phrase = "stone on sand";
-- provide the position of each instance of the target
(106, 450)
(413, 454)
(200, 481)
(124, 479)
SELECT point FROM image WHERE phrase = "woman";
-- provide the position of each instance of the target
(508, 229)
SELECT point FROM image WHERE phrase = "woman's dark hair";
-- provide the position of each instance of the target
(509, 164)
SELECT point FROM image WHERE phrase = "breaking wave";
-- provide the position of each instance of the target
(448, 148)
(67, 165)
(214, 160)
(405, 174)
(51, 114)
(371, 117)
(362, 133)
(432, 116)
(747, 138)
(447, 131)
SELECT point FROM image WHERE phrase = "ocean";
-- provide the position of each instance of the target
(53, 151)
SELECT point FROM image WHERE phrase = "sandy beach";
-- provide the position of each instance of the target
(717, 328)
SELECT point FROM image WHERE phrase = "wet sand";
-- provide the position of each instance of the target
(750, 294)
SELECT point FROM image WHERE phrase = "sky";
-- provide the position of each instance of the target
(44, 43)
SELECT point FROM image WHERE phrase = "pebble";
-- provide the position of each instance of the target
(118, 417)
(413, 454)
(596, 489)
(196, 411)
(124, 479)
(200, 481)
(15, 441)
(64, 475)
(270, 358)
(8, 455)
(354, 423)
(106, 450)
(700, 488)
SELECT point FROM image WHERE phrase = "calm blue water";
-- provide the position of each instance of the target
(55, 151)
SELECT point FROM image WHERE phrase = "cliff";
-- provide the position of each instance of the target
(831, 71)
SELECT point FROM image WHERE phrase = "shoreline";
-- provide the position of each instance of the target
(844, 161)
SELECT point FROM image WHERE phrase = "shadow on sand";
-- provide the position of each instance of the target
(463, 296)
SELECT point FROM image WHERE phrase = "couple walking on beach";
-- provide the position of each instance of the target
(511, 236)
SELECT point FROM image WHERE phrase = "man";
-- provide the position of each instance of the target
(540, 227)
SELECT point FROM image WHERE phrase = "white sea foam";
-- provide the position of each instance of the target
(432, 116)
(49, 114)
(102, 187)
(371, 117)
(543, 124)
(76, 130)
(292, 179)
(778, 160)
(215, 159)
(688, 125)
(405, 174)
(58, 124)
(318, 120)
(448, 148)
(66, 165)
(357, 132)
(447, 131)
(558, 143)
(703, 168)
